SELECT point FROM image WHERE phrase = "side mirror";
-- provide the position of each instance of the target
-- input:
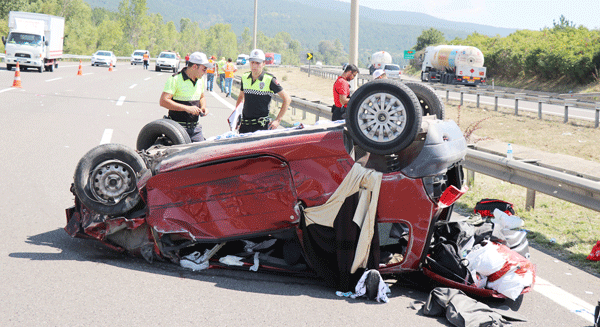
(3, 40)
(47, 43)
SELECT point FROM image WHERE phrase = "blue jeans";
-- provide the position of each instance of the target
(221, 82)
(228, 84)
(210, 81)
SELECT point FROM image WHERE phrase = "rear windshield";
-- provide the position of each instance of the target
(167, 55)
(390, 67)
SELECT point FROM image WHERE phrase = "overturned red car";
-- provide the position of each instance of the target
(330, 200)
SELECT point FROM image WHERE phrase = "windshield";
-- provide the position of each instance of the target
(167, 55)
(103, 53)
(138, 53)
(25, 39)
(392, 67)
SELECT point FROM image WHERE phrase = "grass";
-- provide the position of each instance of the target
(562, 228)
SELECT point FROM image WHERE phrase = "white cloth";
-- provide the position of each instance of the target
(382, 289)
(367, 182)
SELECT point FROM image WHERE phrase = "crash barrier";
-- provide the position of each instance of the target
(570, 186)
(566, 100)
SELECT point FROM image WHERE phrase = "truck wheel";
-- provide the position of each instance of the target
(51, 68)
(383, 116)
(162, 131)
(105, 179)
(431, 104)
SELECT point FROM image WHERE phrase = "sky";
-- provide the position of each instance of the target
(518, 14)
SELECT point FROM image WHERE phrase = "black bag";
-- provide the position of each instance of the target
(444, 261)
(486, 207)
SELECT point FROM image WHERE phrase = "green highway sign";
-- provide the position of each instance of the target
(409, 54)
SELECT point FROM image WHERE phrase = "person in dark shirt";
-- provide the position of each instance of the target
(256, 91)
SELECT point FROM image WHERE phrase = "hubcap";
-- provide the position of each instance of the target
(111, 181)
(382, 117)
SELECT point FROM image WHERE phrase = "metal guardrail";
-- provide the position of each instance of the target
(571, 187)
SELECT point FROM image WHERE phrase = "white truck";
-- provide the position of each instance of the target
(34, 41)
(378, 60)
(453, 64)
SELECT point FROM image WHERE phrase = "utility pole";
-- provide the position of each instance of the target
(354, 38)
(255, 24)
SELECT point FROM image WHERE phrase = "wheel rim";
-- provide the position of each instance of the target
(382, 117)
(111, 181)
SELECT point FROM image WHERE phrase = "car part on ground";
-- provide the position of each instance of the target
(162, 131)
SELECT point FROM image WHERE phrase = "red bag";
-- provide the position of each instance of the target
(595, 255)
(486, 207)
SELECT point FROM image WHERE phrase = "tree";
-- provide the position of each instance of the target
(429, 37)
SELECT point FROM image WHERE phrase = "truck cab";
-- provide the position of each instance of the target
(34, 41)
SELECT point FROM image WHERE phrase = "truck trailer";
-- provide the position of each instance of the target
(378, 61)
(34, 41)
(453, 64)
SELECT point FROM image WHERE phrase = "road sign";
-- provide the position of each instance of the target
(309, 56)
(409, 54)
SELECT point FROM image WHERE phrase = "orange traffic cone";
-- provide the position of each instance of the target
(79, 72)
(110, 67)
(17, 82)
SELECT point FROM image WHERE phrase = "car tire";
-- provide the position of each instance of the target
(9, 67)
(41, 69)
(431, 104)
(162, 129)
(105, 179)
(156, 69)
(51, 68)
(363, 114)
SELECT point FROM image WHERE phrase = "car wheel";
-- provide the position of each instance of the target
(383, 116)
(431, 104)
(156, 69)
(41, 69)
(105, 179)
(162, 131)
(9, 67)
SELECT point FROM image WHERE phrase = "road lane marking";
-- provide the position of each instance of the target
(11, 88)
(120, 101)
(106, 136)
(54, 79)
(132, 86)
(565, 299)
(147, 78)
(87, 74)
(227, 104)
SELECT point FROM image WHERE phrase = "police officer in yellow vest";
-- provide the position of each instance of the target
(183, 95)
(256, 91)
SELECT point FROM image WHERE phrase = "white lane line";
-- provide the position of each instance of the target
(106, 136)
(132, 86)
(120, 101)
(11, 88)
(87, 74)
(160, 74)
(227, 104)
(565, 299)
(54, 79)
(147, 78)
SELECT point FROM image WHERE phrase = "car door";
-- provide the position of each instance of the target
(249, 196)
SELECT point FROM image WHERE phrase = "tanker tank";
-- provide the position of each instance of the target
(453, 64)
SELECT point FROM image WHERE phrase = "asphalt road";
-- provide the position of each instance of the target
(50, 279)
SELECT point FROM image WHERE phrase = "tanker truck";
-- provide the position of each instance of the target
(378, 60)
(453, 64)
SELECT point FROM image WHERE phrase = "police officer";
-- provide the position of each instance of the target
(183, 95)
(256, 91)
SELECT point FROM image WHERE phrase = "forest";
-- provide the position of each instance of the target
(563, 51)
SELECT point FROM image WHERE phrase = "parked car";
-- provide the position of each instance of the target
(167, 60)
(392, 71)
(137, 57)
(104, 57)
(173, 200)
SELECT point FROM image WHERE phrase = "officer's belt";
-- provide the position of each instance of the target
(262, 121)
(186, 124)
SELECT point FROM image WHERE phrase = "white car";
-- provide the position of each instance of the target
(392, 71)
(167, 60)
(104, 57)
(137, 57)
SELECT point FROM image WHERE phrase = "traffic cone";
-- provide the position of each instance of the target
(79, 72)
(17, 82)
(110, 67)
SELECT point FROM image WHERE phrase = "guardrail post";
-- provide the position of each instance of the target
(530, 200)
(478, 96)
(542, 99)
(497, 94)
(303, 114)
(447, 95)
(462, 93)
(517, 97)
(597, 118)
(568, 102)
(470, 178)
